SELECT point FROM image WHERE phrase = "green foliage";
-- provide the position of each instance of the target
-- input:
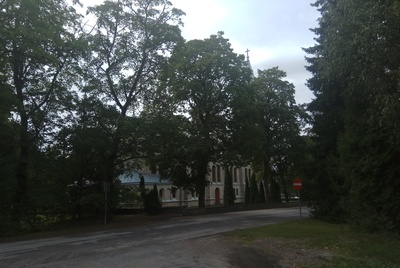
(229, 191)
(355, 80)
(129, 197)
(152, 203)
(278, 119)
(39, 51)
(129, 44)
(254, 195)
(201, 81)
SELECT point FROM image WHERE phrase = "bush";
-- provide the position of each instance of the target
(152, 203)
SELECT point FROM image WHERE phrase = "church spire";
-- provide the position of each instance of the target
(248, 63)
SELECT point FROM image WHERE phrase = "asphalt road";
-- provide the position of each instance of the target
(177, 242)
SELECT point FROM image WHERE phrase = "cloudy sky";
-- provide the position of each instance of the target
(273, 30)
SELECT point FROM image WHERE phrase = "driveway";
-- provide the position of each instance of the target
(177, 242)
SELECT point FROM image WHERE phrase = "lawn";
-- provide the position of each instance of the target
(312, 243)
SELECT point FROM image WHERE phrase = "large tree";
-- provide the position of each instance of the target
(356, 83)
(201, 82)
(276, 116)
(130, 42)
(38, 48)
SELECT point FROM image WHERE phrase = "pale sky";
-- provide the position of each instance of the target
(273, 30)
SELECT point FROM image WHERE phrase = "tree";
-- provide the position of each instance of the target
(275, 192)
(247, 192)
(261, 199)
(38, 47)
(8, 157)
(253, 190)
(355, 123)
(229, 191)
(130, 42)
(201, 81)
(277, 118)
(152, 203)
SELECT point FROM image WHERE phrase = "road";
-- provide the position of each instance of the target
(177, 242)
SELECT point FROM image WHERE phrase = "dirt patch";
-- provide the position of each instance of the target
(276, 253)
(249, 257)
(223, 251)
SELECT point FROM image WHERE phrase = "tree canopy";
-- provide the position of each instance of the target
(355, 122)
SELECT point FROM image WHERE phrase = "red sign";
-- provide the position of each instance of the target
(297, 184)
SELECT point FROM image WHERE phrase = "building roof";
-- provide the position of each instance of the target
(133, 178)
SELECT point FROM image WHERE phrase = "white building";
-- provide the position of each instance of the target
(172, 196)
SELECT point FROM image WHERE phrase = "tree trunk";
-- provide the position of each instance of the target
(201, 172)
(22, 169)
(284, 185)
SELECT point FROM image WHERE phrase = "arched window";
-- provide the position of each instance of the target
(245, 173)
(161, 193)
(173, 192)
(213, 174)
(234, 174)
(219, 173)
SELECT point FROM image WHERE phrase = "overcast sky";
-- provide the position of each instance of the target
(273, 30)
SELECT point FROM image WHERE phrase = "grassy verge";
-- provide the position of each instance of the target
(313, 243)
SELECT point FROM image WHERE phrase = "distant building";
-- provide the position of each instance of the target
(172, 196)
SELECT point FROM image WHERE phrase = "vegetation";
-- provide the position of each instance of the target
(247, 192)
(355, 137)
(202, 81)
(312, 243)
(253, 190)
(81, 105)
(229, 191)
(152, 203)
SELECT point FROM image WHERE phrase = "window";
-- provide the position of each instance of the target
(235, 174)
(219, 173)
(161, 193)
(213, 174)
(173, 192)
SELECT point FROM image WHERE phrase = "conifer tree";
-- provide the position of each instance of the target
(229, 191)
(247, 192)
(261, 199)
(253, 190)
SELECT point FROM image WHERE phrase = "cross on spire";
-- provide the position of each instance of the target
(247, 52)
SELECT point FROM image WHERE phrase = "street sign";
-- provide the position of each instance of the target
(297, 184)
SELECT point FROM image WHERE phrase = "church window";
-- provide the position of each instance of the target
(213, 175)
(161, 193)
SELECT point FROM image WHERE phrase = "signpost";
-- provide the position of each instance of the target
(297, 184)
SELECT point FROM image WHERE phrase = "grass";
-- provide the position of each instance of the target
(345, 246)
